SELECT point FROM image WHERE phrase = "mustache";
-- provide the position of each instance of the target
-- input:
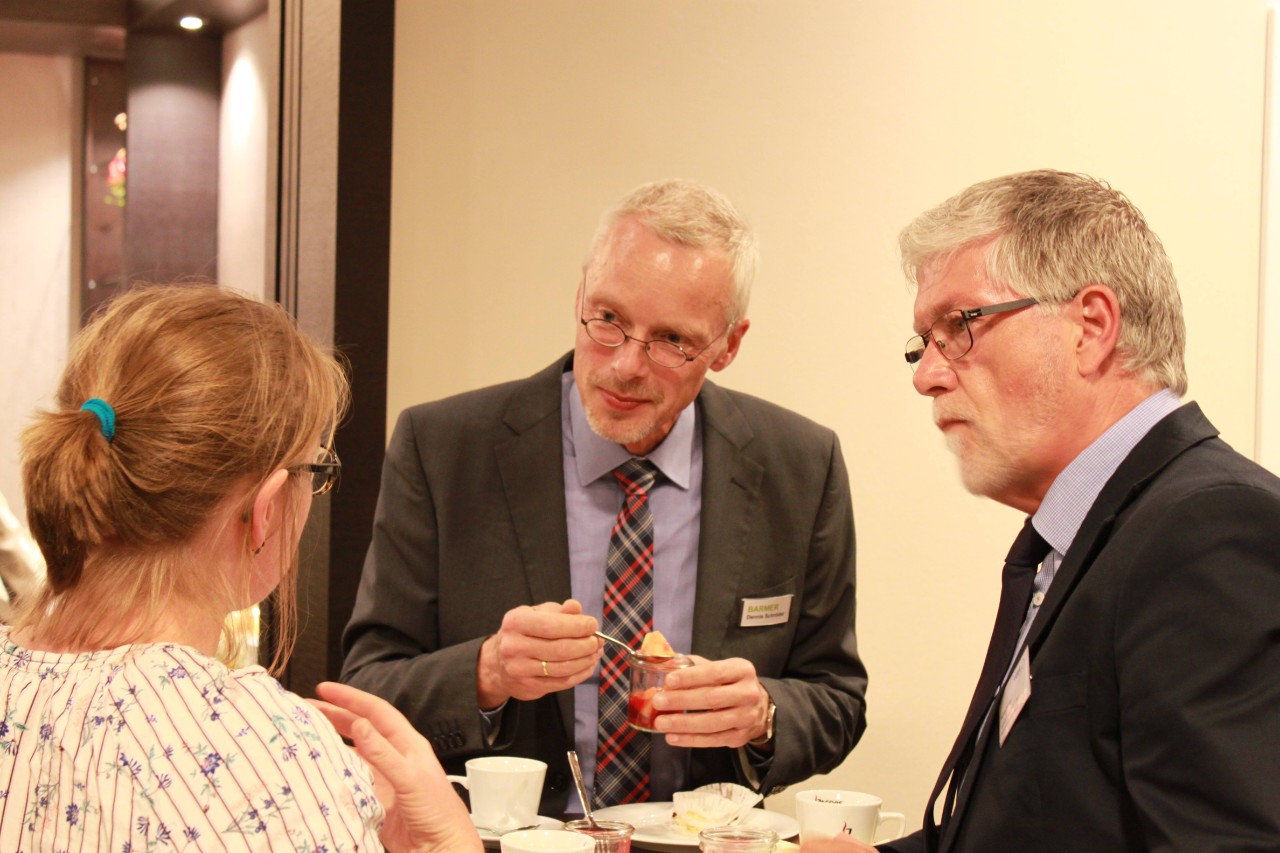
(946, 412)
(632, 388)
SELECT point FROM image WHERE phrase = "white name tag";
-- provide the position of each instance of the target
(758, 612)
(1017, 690)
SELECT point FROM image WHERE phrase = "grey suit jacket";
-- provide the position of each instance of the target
(471, 523)
(1154, 717)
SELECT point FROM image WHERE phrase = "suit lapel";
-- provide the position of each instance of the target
(730, 505)
(531, 465)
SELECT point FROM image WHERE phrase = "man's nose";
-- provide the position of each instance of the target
(934, 373)
(630, 360)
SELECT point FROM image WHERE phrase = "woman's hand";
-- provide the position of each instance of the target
(423, 811)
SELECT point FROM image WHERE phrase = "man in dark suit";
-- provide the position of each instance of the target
(1135, 705)
(485, 578)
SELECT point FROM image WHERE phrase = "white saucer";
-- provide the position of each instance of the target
(491, 838)
(655, 831)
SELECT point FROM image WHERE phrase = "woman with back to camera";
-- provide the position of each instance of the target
(167, 490)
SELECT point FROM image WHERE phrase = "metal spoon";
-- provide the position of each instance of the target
(633, 652)
(582, 788)
(615, 641)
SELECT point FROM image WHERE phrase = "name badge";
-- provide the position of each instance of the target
(758, 612)
(1017, 690)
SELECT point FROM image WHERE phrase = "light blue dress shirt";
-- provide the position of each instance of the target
(592, 500)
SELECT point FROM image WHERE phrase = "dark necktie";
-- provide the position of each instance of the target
(622, 753)
(1015, 594)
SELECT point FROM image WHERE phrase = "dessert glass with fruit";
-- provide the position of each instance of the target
(649, 669)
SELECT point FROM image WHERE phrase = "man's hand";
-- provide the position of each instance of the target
(423, 811)
(538, 650)
(730, 702)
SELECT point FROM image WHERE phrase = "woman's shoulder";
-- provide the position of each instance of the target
(257, 756)
(160, 742)
(236, 699)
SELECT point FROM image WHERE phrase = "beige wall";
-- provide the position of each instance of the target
(831, 123)
(1267, 440)
(39, 123)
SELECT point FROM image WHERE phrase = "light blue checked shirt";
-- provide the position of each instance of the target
(1073, 492)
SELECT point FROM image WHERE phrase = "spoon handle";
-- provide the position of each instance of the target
(613, 640)
(582, 788)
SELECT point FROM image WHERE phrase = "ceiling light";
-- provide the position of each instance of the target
(191, 22)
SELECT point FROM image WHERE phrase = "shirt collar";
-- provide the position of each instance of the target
(1074, 490)
(595, 457)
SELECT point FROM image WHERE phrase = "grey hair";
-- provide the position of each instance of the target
(1053, 233)
(694, 215)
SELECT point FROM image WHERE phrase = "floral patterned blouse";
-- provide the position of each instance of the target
(160, 748)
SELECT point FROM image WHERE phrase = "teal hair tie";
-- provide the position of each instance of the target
(106, 415)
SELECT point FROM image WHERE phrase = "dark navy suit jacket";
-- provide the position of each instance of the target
(1154, 717)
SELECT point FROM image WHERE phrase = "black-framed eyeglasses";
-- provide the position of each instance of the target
(951, 334)
(325, 473)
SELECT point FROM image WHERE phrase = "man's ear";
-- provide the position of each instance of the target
(734, 338)
(264, 517)
(1096, 310)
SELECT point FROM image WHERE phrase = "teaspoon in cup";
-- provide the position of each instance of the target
(582, 788)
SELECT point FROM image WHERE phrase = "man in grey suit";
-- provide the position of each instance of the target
(1130, 700)
(485, 578)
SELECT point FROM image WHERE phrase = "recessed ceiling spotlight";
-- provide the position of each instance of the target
(191, 22)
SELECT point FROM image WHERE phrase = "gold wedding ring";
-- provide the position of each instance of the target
(544, 668)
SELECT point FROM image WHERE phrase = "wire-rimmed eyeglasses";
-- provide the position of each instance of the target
(951, 334)
(662, 353)
(324, 473)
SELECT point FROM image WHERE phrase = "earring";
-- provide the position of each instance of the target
(258, 550)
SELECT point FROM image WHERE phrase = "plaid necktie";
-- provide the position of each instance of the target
(622, 753)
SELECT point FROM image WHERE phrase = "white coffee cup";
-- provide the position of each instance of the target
(504, 791)
(826, 813)
(547, 841)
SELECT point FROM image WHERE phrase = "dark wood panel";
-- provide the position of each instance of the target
(335, 186)
(363, 270)
(171, 220)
